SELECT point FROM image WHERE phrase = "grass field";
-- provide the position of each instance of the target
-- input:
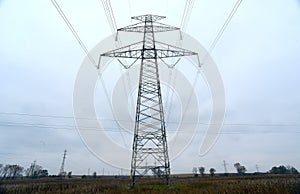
(243, 184)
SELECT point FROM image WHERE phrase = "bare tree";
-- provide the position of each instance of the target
(283, 170)
(1, 168)
(239, 168)
(11, 171)
(36, 170)
(4, 171)
(212, 171)
(201, 170)
(17, 171)
(195, 171)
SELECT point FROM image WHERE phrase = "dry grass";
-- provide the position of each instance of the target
(246, 184)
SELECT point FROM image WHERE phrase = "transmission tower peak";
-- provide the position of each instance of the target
(148, 18)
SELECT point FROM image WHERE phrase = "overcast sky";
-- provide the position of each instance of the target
(257, 56)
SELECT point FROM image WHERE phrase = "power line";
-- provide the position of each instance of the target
(223, 28)
(186, 14)
(65, 127)
(71, 28)
(113, 26)
(111, 19)
(188, 8)
(286, 124)
(109, 9)
(184, 22)
(109, 15)
(37, 115)
(117, 129)
(214, 43)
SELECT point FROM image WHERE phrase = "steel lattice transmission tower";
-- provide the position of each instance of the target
(150, 149)
(62, 171)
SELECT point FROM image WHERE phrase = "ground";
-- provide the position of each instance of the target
(179, 184)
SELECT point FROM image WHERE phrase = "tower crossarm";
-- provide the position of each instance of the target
(123, 54)
(141, 28)
(162, 50)
(164, 53)
(161, 53)
(148, 18)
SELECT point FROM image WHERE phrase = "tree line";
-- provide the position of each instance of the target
(241, 170)
(11, 171)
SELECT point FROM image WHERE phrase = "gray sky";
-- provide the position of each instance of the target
(257, 56)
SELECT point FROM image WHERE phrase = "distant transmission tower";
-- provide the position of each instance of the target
(62, 168)
(31, 169)
(150, 150)
(257, 169)
(225, 167)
